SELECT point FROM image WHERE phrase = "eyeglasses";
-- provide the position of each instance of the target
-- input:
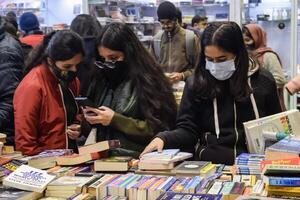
(109, 64)
(166, 23)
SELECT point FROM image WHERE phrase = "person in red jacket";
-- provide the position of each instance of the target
(30, 25)
(44, 105)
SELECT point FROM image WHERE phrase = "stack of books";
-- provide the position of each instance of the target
(67, 186)
(286, 148)
(46, 159)
(115, 164)
(165, 160)
(248, 164)
(282, 177)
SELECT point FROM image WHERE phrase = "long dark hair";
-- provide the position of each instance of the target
(59, 46)
(86, 25)
(228, 37)
(154, 92)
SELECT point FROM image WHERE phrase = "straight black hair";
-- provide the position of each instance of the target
(59, 46)
(228, 37)
(154, 92)
(86, 25)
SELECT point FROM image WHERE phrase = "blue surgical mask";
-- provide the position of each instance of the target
(222, 70)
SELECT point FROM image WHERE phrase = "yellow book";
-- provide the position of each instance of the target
(207, 169)
(282, 189)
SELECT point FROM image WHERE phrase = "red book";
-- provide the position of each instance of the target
(76, 159)
(289, 161)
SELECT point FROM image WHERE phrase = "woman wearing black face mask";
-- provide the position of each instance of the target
(45, 110)
(134, 97)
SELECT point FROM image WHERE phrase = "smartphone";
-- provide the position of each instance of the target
(84, 101)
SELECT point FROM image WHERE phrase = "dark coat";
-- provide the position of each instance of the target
(11, 67)
(196, 122)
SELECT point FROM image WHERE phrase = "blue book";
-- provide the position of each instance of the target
(247, 157)
(282, 181)
(165, 154)
(182, 196)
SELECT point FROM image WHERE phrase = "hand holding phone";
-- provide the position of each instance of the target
(103, 115)
(84, 101)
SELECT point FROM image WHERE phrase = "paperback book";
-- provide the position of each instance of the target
(28, 178)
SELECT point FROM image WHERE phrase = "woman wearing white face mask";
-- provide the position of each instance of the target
(226, 90)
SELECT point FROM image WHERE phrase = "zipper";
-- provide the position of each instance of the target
(200, 153)
(170, 46)
(235, 129)
(62, 98)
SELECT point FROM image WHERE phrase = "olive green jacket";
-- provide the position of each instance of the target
(128, 124)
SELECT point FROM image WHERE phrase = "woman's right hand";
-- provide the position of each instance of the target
(156, 144)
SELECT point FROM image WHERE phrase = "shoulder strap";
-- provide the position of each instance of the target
(190, 46)
(156, 43)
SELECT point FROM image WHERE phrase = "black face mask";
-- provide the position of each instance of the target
(114, 72)
(66, 76)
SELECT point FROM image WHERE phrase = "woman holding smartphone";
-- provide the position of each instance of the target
(44, 106)
(134, 97)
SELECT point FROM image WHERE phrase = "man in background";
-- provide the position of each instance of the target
(30, 25)
(175, 48)
(198, 25)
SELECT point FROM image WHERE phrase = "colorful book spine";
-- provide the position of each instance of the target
(238, 188)
(283, 181)
(227, 187)
(216, 188)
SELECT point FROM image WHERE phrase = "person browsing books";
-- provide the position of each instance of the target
(133, 97)
(226, 90)
(45, 109)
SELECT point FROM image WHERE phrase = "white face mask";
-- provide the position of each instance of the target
(222, 70)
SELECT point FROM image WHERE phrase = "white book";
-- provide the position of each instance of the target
(28, 178)
(285, 122)
(178, 157)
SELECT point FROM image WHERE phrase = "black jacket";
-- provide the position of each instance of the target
(196, 120)
(11, 66)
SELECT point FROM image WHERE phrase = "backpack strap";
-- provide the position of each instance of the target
(190, 46)
(156, 43)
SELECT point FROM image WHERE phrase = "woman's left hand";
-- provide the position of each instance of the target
(103, 115)
(73, 131)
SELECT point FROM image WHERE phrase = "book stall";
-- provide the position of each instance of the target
(269, 171)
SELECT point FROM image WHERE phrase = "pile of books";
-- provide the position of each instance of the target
(282, 177)
(165, 160)
(248, 164)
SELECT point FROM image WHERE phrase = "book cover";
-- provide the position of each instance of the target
(64, 182)
(216, 188)
(99, 146)
(250, 157)
(178, 157)
(286, 122)
(165, 154)
(227, 187)
(172, 195)
(190, 167)
(28, 178)
(8, 193)
(238, 188)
